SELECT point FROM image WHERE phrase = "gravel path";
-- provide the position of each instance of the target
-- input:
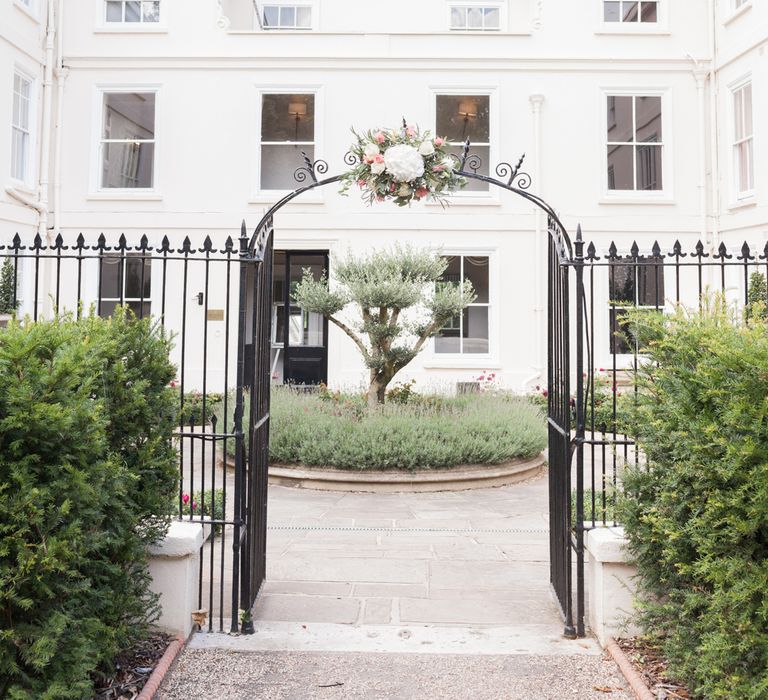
(227, 675)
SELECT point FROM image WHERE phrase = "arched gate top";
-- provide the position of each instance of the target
(508, 177)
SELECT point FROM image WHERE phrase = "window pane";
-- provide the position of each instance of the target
(19, 154)
(142, 310)
(491, 17)
(744, 165)
(629, 11)
(619, 335)
(464, 116)
(128, 164)
(620, 126)
(133, 268)
(304, 17)
(151, 11)
(458, 18)
(650, 282)
(278, 163)
(621, 282)
(476, 271)
(611, 11)
(129, 115)
(288, 118)
(620, 168)
(648, 118)
(447, 339)
(108, 308)
(475, 17)
(114, 11)
(132, 11)
(747, 92)
(475, 329)
(452, 272)
(287, 16)
(110, 277)
(738, 114)
(649, 168)
(271, 16)
(649, 12)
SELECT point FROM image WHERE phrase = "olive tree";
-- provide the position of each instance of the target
(389, 302)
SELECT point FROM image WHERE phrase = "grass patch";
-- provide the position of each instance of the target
(337, 430)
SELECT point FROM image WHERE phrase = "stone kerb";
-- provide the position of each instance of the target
(173, 566)
(611, 583)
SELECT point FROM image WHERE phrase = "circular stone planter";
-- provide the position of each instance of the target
(462, 478)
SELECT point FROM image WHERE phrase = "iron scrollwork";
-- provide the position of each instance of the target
(311, 169)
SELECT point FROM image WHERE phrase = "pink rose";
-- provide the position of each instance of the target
(437, 168)
(378, 158)
(194, 505)
(439, 141)
(422, 192)
(380, 138)
(185, 498)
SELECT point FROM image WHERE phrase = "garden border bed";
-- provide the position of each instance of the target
(460, 478)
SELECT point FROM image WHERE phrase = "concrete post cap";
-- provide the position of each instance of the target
(181, 540)
(607, 544)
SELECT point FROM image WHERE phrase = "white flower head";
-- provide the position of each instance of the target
(377, 168)
(426, 148)
(371, 149)
(403, 162)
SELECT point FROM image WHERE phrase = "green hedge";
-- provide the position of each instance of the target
(697, 514)
(87, 470)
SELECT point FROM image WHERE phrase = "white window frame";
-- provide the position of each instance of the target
(28, 181)
(500, 6)
(101, 26)
(660, 26)
(258, 20)
(489, 360)
(491, 196)
(736, 88)
(97, 191)
(116, 255)
(662, 196)
(28, 7)
(260, 195)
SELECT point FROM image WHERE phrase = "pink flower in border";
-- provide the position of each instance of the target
(379, 197)
(421, 192)
(379, 158)
(438, 168)
(380, 138)
(185, 498)
(194, 505)
(361, 183)
(410, 131)
(173, 384)
(439, 141)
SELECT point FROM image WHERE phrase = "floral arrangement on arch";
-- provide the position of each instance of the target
(403, 165)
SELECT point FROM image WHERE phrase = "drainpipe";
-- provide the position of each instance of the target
(61, 77)
(539, 244)
(700, 75)
(45, 147)
(713, 126)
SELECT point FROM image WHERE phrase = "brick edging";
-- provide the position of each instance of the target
(156, 677)
(636, 683)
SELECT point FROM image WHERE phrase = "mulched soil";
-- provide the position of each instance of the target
(133, 669)
(652, 667)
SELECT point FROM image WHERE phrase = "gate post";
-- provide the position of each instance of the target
(238, 432)
(580, 428)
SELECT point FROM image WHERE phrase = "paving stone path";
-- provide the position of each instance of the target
(442, 595)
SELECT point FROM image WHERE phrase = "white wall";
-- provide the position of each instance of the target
(369, 68)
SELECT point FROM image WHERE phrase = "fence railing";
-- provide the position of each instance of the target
(193, 289)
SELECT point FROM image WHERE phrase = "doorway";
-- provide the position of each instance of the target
(299, 353)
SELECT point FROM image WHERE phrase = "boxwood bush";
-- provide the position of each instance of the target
(87, 470)
(697, 513)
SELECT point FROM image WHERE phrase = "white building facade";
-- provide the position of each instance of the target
(641, 120)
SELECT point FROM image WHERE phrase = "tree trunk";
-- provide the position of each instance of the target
(377, 390)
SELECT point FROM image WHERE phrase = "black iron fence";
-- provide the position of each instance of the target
(199, 292)
(610, 280)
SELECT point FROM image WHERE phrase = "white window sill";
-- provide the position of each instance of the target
(28, 11)
(743, 203)
(467, 200)
(274, 197)
(463, 362)
(126, 195)
(665, 200)
(137, 28)
(738, 12)
(624, 29)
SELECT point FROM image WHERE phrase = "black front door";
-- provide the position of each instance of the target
(299, 338)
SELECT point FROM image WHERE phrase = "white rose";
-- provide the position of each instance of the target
(377, 168)
(426, 148)
(404, 190)
(403, 162)
(371, 149)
